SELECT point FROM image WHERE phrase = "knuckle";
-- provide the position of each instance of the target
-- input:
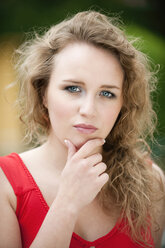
(106, 177)
(104, 166)
(103, 179)
(99, 156)
(73, 160)
(92, 173)
(91, 142)
(84, 163)
(96, 141)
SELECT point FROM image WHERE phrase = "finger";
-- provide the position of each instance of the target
(71, 148)
(88, 147)
(103, 178)
(100, 168)
(93, 160)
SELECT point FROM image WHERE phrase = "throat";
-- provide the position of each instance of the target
(55, 157)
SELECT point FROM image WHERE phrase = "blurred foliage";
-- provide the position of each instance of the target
(21, 15)
(142, 18)
(153, 45)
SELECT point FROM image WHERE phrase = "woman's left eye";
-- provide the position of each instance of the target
(107, 94)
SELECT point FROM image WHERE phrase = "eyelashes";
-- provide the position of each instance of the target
(107, 94)
(77, 89)
(73, 89)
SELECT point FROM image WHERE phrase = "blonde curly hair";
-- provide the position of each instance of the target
(131, 179)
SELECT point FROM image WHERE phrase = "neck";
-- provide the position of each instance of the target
(55, 153)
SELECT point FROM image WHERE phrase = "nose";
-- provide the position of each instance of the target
(87, 107)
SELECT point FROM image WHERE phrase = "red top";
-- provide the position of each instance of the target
(32, 209)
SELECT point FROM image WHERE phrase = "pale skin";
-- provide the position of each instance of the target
(85, 87)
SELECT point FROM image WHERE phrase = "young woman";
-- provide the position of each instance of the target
(85, 97)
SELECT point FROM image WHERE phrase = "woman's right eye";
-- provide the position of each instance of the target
(73, 89)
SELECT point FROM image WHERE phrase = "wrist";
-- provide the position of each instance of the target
(66, 205)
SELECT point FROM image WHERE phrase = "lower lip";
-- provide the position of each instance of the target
(85, 130)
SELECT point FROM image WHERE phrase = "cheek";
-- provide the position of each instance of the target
(110, 117)
(59, 109)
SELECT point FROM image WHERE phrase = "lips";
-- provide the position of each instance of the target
(84, 128)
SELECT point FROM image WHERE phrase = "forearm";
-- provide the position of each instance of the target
(57, 228)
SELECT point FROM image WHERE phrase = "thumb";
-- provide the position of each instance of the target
(71, 148)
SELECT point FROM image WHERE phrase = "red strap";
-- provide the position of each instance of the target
(16, 173)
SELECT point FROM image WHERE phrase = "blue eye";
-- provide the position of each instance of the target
(73, 89)
(107, 94)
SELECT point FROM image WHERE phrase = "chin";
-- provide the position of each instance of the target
(80, 143)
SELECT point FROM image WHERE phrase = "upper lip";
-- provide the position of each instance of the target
(82, 125)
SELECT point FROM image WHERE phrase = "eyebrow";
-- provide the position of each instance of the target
(82, 83)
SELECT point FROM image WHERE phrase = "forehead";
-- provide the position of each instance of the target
(86, 60)
(82, 50)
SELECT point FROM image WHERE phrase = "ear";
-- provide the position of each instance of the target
(45, 101)
(44, 98)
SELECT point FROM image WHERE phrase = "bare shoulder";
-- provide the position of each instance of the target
(8, 220)
(31, 156)
(6, 190)
(159, 186)
(159, 173)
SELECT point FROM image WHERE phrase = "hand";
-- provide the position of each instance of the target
(83, 175)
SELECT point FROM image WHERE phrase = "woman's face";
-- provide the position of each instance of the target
(85, 89)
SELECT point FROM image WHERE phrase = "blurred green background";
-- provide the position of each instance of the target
(142, 18)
